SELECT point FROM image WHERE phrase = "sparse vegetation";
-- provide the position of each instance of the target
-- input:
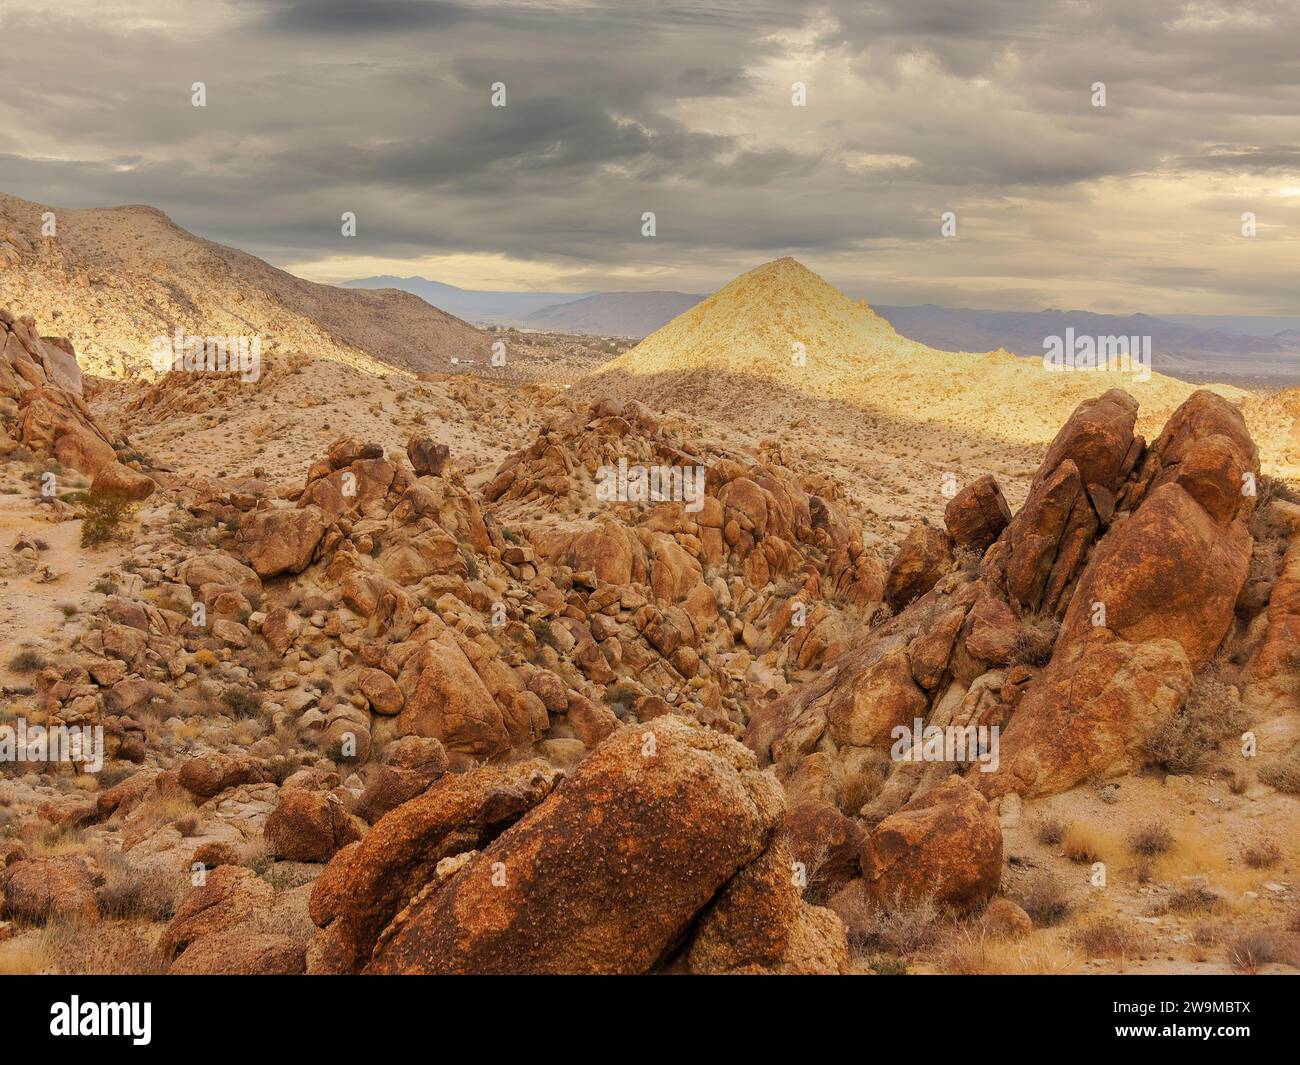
(1150, 840)
(105, 516)
(28, 661)
(1045, 900)
(1211, 713)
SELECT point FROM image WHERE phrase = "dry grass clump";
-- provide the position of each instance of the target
(1284, 773)
(1150, 840)
(1045, 900)
(1106, 938)
(1082, 845)
(1211, 714)
(128, 894)
(973, 952)
(1250, 950)
(1262, 854)
(1050, 831)
(902, 927)
(117, 948)
(1034, 641)
(1195, 899)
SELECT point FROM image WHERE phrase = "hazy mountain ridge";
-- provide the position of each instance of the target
(113, 279)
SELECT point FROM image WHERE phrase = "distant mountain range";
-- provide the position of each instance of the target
(478, 306)
(1262, 350)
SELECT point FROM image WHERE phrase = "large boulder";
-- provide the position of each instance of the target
(609, 874)
(1089, 713)
(445, 698)
(923, 557)
(945, 845)
(41, 889)
(976, 515)
(230, 896)
(367, 883)
(309, 826)
(282, 540)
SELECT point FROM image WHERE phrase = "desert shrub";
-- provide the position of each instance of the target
(1045, 900)
(1050, 831)
(1251, 950)
(1081, 845)
(132, 895)
(884, 965)
(1211, 713)
(1107, 939)
(1195, 899)
(1034, 641)
(1261, 854)
(241, 702)
(28, 661)
(105, 515)
(1284, 773)
(1150, 840)
(544, 633)
(105, 587)
(1271, 488)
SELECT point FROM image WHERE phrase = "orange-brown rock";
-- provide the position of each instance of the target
(923, 557)
(365, 884)
(308, 826)
(682, 809)
(976, 515)
(945, 844)
(282, 540)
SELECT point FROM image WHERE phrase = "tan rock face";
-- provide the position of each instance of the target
(923, 557)
(879, 699)
(282, 540)
(229, 897)
(446, 699)
(1088, 713)
(945, 844)
(1170, 571)
(681, 810)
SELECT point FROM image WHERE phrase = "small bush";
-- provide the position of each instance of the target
(1045, 900)
(241, 702)
(1211, 713)
(1034, 641)
(1193, 900)
(28, 662)
(1107, 939)
(1050, 832)
(1284, 773)
(105, 515)
(1251, 950)
(1150, 840)
(1081, 846)
(1262, 854)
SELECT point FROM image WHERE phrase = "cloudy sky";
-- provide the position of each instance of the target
(914, 108)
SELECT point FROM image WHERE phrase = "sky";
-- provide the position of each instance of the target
(982, 108)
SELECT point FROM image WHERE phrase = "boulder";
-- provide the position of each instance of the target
(923, 557)
(945, 844)
(367, 883)
(976, 515)
(681, 810)
(282, 540)
(309, 826)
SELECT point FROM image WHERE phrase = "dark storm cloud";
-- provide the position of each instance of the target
(382, 107)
